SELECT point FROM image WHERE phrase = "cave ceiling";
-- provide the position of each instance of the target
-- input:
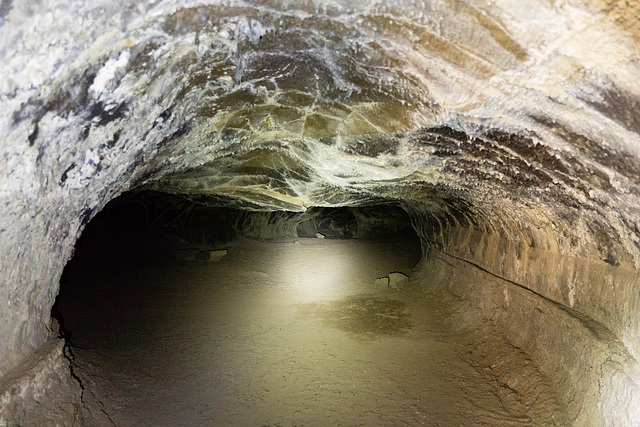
(473, 108)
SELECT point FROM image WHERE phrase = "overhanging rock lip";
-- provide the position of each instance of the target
(258, 196)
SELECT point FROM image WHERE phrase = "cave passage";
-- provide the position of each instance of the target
(286, 331)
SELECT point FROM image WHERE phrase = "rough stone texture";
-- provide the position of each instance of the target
(381, 282)
(508, 130)
(398, 280)
(42, 389)
(596, 382)
(605, 293)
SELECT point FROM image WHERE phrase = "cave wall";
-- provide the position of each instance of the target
(508, 130)
(605, 293)
(541, 260)
(570, 305)
(387, 221)
(554, 354)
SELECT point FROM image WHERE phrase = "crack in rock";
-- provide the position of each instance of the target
(70, 356)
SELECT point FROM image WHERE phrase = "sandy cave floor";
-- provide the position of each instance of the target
(274, 334)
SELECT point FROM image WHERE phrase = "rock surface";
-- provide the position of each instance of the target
(508, 130)
(199, 255)
(381, 282)
(398, 280)
(43, 391)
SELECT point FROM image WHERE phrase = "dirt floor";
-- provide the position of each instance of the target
(275, 334)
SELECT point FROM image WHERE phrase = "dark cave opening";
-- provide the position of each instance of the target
(153, 222)
(155, 228)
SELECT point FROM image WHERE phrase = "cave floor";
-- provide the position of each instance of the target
(274, 334)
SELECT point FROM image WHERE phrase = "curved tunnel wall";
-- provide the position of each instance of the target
(507, 131)
(574, 316)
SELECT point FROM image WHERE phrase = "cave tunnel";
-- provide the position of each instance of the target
(173, 296)
(320, 212)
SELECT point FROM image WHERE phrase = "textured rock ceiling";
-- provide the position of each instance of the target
(517, 118)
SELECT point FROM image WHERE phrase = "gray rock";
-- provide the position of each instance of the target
(212, 256)
(186, 254)
(398, 280)
(381, 282)
(202, 256)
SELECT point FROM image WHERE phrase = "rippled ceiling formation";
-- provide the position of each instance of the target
(284, 105)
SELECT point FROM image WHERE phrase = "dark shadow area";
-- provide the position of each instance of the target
(371, 222)
(142, 228)
(150, 222)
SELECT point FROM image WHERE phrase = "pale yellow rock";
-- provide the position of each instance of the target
(398, 280)
(382, 282)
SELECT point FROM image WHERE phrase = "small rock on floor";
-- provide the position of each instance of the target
(382, 282)
(212, 256)
(197, 255)
(398, 280)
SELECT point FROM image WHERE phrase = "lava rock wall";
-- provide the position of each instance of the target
(508, 130)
